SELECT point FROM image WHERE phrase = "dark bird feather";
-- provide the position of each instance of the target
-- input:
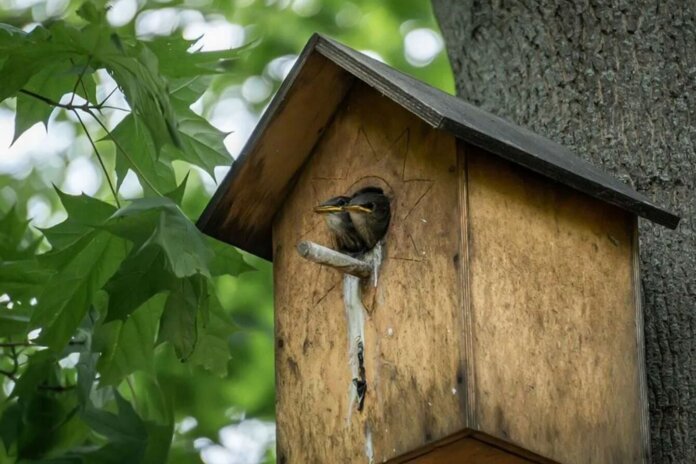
(370, 213)
(339, 223)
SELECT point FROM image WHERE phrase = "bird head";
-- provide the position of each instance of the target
(370, 212)
(369, 201)
(332, 205)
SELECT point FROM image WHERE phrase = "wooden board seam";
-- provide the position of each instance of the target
(464, 292)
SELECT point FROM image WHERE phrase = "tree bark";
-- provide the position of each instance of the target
(616, 82)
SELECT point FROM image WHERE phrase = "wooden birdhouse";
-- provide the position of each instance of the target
(502, 321)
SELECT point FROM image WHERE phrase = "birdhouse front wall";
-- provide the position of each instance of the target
(414, 324)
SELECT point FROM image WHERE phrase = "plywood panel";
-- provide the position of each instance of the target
(554, 317)
(416, 391)
(470, 451)
(470, 447)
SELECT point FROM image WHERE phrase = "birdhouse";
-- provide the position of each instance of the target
(498, 320)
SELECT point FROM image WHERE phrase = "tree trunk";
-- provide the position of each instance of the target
(616, 82)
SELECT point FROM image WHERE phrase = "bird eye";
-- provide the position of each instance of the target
(370, 206)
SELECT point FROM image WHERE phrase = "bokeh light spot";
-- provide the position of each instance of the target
(421, 46)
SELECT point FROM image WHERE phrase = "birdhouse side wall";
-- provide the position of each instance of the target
(555, 316)
(413, 320)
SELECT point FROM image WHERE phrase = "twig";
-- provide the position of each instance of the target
(69, 106)
(87, 108)
(28, 343)
(79, 80)
(120, 148)
(15, 344)
(101, 161)
(15, 359)
(328, 257)
(101, 104)
(54, 388)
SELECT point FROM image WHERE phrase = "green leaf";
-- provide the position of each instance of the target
(14, 322)
(213, 350)
(83, 269)
(136, 221)
(183, 245)
(16, 240)
(10, 424)
(136, 151)
(177, 62)
(157, 411)
(126, 434)
(25, 58)
(212, 353)
(160, 439)
(52, 82)
(38, 369)
(201, 144)
(44, 411)
(226, 259)
(177, 195)
(22, 280)
(142, 275)
(84, 214)
(136, 70)
(189, 89)
(153, 404)
(178, 325)
(159, 222)
(129, 345)
(92, 12)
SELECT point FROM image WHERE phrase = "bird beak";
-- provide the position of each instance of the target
(328, 209)
(357, 209)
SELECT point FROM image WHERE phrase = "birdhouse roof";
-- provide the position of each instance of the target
(242, 209)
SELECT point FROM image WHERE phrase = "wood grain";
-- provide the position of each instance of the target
(554, 316)
(416, 391)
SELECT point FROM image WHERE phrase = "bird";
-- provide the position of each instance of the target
(370, 213)
(344, 234)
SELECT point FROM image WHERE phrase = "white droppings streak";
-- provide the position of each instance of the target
(355, 314)
(369, 451)
(390, 332)
(454, 391)
(375, 257)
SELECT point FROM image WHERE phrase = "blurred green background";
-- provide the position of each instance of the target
(226, 420)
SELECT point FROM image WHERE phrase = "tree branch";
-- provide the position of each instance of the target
(79, 80)
(69, 106)
(101, 161)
